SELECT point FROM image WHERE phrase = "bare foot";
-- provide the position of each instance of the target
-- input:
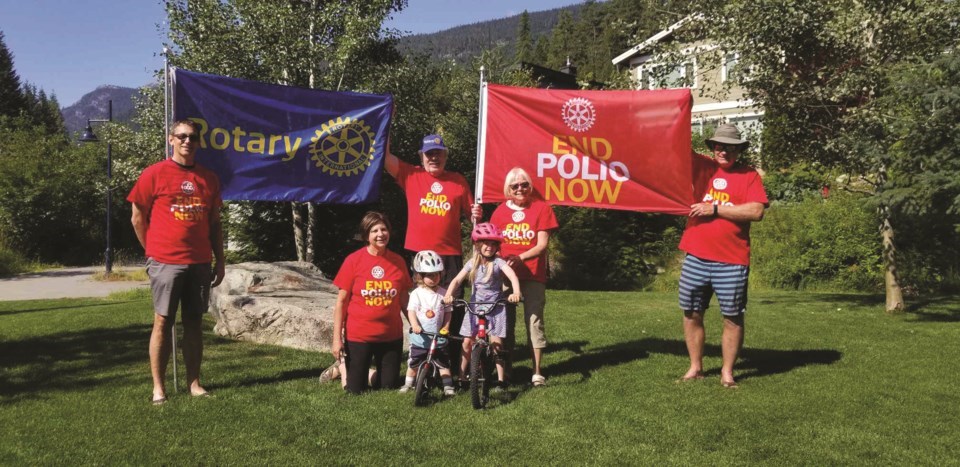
(727, 380)
(691, 375)
(198, 391)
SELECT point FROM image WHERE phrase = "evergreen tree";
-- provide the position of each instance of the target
(563, 41)
(11, 97)
(524, 42)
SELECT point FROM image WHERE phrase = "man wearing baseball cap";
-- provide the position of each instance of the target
(436, 201)
(717, 242)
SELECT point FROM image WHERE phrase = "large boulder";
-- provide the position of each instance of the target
(286, 303)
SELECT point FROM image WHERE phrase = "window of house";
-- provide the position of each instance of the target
(681, 76)
(731, 67)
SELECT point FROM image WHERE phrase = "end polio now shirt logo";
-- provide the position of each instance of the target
(435, 203)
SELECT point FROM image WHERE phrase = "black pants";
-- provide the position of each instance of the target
(386, 357)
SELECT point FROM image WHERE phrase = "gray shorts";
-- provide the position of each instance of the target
(183, 285)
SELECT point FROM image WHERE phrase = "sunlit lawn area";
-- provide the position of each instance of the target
(825, 380)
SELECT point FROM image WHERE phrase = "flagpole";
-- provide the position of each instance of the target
(166, 155)
(478, 185)
(166, 101)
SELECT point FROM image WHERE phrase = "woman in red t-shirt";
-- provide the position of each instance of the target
(526, 221)
(373, 284)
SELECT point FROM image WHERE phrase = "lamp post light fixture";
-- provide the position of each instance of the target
(89, 137)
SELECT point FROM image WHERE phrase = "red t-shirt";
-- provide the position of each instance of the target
(375, 284)
(520, 227)
(434, 208)
(713, 238)
(177, 202)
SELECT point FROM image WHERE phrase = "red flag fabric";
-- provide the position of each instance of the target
(626, 150)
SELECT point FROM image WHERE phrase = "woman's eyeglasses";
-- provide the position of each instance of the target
(519, 186)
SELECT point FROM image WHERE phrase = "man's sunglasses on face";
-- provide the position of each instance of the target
(187, 137)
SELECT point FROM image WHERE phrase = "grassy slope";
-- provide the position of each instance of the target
(825, 379)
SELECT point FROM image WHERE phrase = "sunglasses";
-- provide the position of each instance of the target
(725, 147)
(521, 185)
(187, 137)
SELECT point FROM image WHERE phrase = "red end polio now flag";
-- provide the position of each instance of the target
(625, 150)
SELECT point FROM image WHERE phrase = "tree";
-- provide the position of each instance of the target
(11, 96)
(815, 66)
(524, 47)
(317, 44)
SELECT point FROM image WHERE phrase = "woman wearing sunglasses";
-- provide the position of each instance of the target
(527, 222)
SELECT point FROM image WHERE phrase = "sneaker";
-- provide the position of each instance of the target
(405, 389)
(449, 391)
(498, 387)
(538, 380)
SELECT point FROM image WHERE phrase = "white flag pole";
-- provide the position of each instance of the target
(166, 154)
(481, 133)
(166, 101)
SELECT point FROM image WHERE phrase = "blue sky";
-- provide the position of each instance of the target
(69, 47)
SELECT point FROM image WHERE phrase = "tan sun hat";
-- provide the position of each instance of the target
(727, 134)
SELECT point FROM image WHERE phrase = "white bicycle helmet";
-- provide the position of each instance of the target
(427, 261)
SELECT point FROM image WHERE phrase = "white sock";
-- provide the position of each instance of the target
(408, 381)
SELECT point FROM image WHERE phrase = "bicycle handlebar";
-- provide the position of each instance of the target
(471, 307)
(437, 334)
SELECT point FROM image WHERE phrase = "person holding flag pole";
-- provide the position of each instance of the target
(436, 201)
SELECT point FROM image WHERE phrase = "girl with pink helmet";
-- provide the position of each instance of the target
(486, 272)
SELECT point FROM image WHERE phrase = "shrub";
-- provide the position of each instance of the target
(817, 243)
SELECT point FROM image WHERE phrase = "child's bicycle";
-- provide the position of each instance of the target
(482, 355)
(428, 372)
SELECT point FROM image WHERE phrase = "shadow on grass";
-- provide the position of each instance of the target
(70, 361)
(585, 363)
(935, 308)
(805, 298)
(57, 307)
(752, 362)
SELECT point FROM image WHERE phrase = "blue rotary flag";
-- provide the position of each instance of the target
(270, 142)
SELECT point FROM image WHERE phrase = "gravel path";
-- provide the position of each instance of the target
(61, 283)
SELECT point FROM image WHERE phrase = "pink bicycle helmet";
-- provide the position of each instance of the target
(486, 231)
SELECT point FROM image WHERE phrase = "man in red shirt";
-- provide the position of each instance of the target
(717, 242)
(436, 201)
(176, 216)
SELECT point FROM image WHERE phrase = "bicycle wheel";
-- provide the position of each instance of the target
(479, 384)
(424, 373)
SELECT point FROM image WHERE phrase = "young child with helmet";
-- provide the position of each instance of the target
(486, 272)
(426, 312)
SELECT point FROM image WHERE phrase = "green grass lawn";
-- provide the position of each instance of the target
(825, 379)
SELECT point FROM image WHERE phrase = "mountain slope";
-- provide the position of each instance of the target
(93, 105)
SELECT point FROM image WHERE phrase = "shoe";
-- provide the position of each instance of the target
(160, 401)
(405, 389)
(331, 373)
(449, 391)
(538, 380)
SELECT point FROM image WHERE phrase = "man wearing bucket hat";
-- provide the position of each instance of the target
(717, 242)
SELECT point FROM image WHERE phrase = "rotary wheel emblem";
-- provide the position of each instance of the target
(343, 146)
(578, 113)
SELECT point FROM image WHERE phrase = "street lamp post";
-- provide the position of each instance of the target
(89, 137)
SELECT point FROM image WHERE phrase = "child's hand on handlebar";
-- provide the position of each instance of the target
(448, 299)
(415, 327)
(514, 298)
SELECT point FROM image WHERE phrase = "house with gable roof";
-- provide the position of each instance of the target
(703, 68)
